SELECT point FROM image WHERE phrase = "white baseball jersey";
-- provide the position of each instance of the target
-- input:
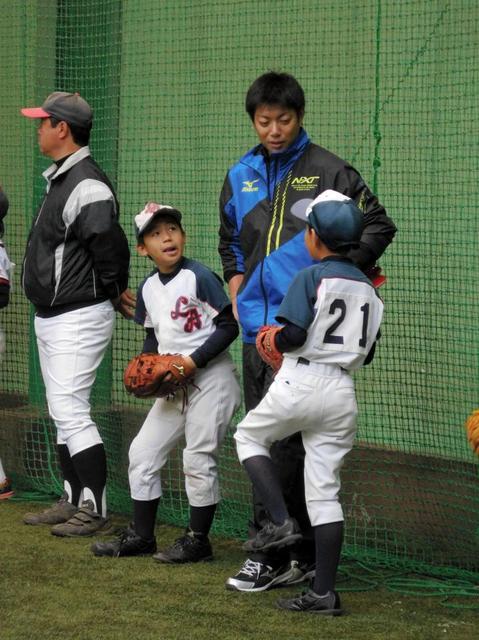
(340, 309)
(181, 307)
(5, 265)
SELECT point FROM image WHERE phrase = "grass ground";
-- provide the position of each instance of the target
(56, 589)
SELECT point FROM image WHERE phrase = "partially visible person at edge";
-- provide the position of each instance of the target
(6, 490)
(74, 272)
(263, 206)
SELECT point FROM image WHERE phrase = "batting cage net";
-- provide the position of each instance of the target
(393, 88)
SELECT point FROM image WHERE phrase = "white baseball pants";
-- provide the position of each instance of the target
(71, 347)
(318, 400)
(203, 423)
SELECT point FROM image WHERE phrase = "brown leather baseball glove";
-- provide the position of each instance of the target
(157, 375)
(267, 348)
(472, 430)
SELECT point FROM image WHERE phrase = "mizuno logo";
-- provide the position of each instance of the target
(249, 185)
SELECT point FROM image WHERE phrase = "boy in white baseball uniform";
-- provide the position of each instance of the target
(184, 309)
(331, 315)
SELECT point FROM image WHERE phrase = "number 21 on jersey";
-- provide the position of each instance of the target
(347, 320)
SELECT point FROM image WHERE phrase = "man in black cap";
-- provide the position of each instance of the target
(74, 272)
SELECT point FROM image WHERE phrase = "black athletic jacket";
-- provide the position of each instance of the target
(77, 254)
(263, 216)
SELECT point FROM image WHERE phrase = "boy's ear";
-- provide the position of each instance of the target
(312, 235)
(140, 247)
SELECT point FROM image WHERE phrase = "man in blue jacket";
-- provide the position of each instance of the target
(262, 221)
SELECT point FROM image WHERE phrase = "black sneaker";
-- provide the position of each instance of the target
(188, 548)
(311, 602)
(274, 536)
(257, 576)
(128, 543)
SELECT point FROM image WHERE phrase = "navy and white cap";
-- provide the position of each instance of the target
(70, 107)
(150, 212)
(337, 220)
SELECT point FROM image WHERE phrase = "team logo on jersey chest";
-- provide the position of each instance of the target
(249, 186)
(305, 183)
(193, 318)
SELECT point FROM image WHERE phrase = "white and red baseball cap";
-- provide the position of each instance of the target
(151, 211)
(70, 107)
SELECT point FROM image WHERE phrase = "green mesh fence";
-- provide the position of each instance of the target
(393, 87)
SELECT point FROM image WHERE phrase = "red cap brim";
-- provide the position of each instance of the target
(35, 112)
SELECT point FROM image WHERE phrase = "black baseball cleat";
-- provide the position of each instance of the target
(311, 602)
(188, 548)
(128, 543)
(274, 536)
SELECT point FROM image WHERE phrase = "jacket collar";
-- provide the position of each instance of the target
(255, 157)
(53, 171)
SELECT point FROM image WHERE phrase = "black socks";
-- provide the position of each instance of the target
(329, 540)
(263, 474)
(71, 480)
(90, 466)
(201, 519)
(144, 517)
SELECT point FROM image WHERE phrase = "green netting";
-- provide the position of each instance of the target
(393, 87)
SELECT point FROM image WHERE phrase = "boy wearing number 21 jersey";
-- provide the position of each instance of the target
(331, 315)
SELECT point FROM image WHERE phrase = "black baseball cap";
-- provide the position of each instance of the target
(150, 212)
(70, 107)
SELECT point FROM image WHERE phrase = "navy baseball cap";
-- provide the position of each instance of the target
(70, 107)
(151, 211)
(337, 220)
